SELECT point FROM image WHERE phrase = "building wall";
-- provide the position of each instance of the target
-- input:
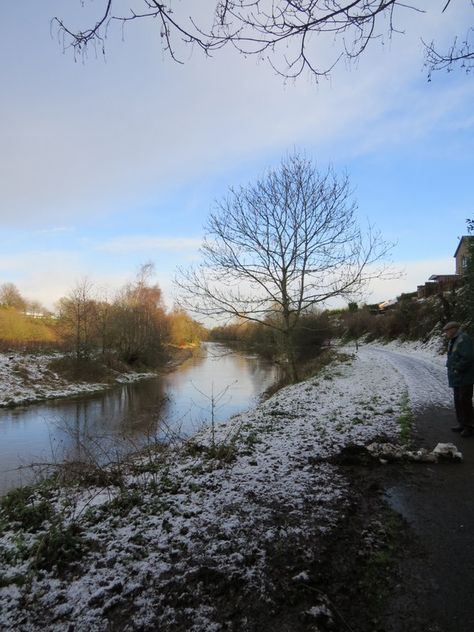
(462, 254)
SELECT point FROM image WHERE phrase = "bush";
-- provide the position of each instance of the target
(311, 334)
(80, 370)
(409, 319)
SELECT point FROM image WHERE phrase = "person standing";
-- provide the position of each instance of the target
(460, 365)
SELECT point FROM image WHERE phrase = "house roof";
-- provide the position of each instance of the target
(467, 237)
(437, 277)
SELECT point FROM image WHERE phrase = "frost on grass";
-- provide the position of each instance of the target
(201, 537)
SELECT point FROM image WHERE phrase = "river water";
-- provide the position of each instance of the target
(215, 384)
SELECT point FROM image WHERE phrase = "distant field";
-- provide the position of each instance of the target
(19, 330)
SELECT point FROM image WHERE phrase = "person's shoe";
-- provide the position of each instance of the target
(457, 428)
(467, 432)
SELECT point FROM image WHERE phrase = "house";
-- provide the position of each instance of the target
(445, 282)
(439, 283)
(462, 254)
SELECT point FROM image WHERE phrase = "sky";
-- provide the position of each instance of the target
(111, 162)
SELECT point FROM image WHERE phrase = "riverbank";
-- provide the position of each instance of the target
(253, 525)
(27, 378)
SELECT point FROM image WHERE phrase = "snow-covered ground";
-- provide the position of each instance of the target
(213, 512)
(26, 378)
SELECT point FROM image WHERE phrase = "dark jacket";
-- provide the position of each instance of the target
(460, 360)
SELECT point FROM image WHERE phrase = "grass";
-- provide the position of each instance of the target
(405, 420)
(42, 536)
(19, 331)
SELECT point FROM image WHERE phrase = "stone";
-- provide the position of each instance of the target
(447, 451)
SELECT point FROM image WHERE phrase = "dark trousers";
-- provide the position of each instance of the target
(463, 404)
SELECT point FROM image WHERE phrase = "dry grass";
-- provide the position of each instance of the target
(19, 331)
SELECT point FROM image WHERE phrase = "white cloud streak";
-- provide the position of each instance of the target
(100, 133)
(139, 243)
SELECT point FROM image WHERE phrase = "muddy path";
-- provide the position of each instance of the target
(435, 591)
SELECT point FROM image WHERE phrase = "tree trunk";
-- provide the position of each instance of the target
(289, 351)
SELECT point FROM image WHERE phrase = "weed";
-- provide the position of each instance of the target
(19, 551)
(219, 451)
(17, 580)
(222, 452)
(24, 508)
(137, 539)
(194, 449)
(58, 548)
(168, 485)
(148, 467)
(252, 439)
(124, 503)
(166, 525)
(87, 474)
(281, 413)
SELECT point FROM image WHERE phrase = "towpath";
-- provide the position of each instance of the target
(436, 591)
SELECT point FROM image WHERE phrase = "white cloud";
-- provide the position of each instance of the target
(81, 143)
(103, 133)
(143, 243)
(413, 273)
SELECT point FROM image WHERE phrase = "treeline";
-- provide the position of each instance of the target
(409, 318)
(133, 326)
(310, 334)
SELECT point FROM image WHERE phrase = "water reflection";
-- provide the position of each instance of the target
(106, 425)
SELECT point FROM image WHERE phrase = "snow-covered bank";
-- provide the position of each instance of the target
(187, 539)
(27, 378)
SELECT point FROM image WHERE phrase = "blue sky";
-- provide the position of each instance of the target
(108, 164)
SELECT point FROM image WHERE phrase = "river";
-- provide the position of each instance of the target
(215, 383)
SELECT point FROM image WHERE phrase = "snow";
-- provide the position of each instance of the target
(215, 508)
(26, 378)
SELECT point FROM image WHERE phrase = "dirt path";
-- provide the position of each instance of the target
(436, 592)
(436, 589)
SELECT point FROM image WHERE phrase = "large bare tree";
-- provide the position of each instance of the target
(276, 249)
(288, 33)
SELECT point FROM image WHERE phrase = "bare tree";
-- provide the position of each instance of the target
(281, 31)
(10, 297)
(277, 248)
(78, 318)
(460, 53)
(140, 322)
